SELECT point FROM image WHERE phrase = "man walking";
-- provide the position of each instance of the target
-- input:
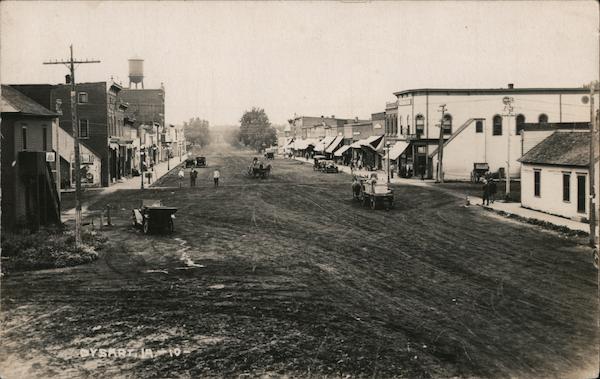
(181, 175)
(216, 176)
(493, 190)
(193, 176)
(486, 193)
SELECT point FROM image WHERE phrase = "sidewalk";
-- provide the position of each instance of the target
(128, 183)
(518, 210)
(499, 206)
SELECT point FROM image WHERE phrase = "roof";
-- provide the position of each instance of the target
(491, 91)
(561, 149)
(13, 101)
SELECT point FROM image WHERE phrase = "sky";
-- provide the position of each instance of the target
(218, 59)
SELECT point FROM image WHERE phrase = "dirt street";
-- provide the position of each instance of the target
(288, 275)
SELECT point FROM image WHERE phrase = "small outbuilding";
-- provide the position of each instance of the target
(555, 175)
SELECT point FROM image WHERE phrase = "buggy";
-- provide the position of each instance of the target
(371, 193)
(479, 171)
(153, 216)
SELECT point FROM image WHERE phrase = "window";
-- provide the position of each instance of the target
(84, 129)
(478, 126)
(497, 123)
(537, 181)
(420, 124)
(407, 124)
(395, 126)
(44, 138)
(566, 186)
(82, 97)
(24, 137)
(400, 122)
(543, 118)
(520, 120)
(447, 124)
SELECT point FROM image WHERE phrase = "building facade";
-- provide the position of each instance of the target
(489, 131)
(30, 175)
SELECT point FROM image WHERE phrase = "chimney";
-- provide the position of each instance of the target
(355, 119)
(511, 86)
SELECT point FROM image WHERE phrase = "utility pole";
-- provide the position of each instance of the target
(508, 110)
(592, 167)
(75, 128)
(440, 170)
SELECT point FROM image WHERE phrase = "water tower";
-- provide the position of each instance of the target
(136, 72)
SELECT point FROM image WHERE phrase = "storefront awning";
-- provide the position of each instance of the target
(333, 145)
(324, 143)
(397, 149)
(341, 150)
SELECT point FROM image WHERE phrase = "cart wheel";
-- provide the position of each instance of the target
(146, 227)
(373, 203)
(171, 226)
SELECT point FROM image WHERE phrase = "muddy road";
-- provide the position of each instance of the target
(288, 276)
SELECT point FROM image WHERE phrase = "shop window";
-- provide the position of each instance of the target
(419, 124)
(447, 124)
(478, 126)
(84, 129)
(520, 120)
(497, 125)
(543, 118)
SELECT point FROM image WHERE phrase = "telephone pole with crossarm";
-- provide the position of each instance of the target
(70, 63)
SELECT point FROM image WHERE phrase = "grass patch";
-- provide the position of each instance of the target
(48, 248)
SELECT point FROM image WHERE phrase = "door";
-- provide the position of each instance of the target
(581, 193)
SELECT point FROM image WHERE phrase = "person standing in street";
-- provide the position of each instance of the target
(193, 176)
(486, 193)
(216, 176)
(181, 175)
(493, 190)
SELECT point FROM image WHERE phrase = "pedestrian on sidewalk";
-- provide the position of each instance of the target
(181, 175)
(193, 176)
(486, 193)
(216, 176)
(493, 190)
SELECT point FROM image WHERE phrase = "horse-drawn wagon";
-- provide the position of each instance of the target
(372, 193)
(259, 170)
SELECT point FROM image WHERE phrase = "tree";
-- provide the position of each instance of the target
(197, 131)
(256, 130)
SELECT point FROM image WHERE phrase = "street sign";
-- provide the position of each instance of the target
(50, 156)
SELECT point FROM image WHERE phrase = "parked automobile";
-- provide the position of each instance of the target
(200, 161)
(153, 216)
